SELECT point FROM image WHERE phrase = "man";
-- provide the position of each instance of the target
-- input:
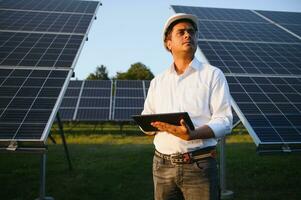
(184, 165)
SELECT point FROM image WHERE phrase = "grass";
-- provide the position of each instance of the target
(119, 167)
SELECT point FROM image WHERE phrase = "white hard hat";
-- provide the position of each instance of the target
(176, 17)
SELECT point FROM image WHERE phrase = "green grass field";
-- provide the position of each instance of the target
(118, 167)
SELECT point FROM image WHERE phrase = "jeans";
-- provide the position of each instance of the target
(196, 181)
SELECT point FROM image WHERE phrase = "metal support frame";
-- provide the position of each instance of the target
(43, 178)
(225, 194)
(61, 130)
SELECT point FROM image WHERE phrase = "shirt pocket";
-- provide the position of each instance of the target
(195, 101)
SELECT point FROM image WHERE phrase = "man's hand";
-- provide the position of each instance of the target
(182, 131)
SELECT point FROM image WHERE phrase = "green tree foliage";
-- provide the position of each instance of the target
(101, 73)
(137, 71)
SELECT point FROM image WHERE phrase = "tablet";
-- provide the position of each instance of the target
(144, 121)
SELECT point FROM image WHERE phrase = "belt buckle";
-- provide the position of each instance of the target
(175, 158)
(179, 158)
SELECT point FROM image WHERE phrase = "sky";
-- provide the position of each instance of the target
(126, 32)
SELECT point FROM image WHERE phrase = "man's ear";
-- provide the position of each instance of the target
(168, 44)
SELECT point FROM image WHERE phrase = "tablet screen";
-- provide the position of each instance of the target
(144, 121)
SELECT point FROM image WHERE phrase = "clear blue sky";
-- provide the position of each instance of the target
(130, 31)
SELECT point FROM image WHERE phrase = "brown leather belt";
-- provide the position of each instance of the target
(189, 157)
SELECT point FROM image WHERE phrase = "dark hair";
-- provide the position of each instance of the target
(169, 29)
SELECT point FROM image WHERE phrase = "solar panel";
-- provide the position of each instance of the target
(70, 101)
(66, 114)
(39, 44)
(130, 102)
(52, 5)
(235, 24)
(85, 99)
(260, 32)
(43, 21)
(38, 50)
(282, 17)
(219, 14)
(26, 103)
(129, 99)
(98, 84)
(124, 114)
(253, 58)
(272, 107)
(96, 97)
(262, 63)
(129, 84)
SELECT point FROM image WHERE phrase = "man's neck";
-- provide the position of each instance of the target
(182, 63)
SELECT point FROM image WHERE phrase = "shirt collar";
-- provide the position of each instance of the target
(195, 64)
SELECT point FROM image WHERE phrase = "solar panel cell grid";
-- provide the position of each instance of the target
(24, 105)
(69, 102)
(220, 30)
(206, 13)
(96, 103)
(277, 108)
(88, 7)
(75, 84)
(129, 84)
(129, 102)
(92, 114)
(129, 92)
(282, 17)
(41, 21)
(32, 50)
(98, 84)
(253, 58)
(125, 114)
(66, 114)
(87, 92)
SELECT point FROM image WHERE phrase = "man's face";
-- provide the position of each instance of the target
(183, 38)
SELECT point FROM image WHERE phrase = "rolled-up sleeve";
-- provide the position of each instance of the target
(220, 106)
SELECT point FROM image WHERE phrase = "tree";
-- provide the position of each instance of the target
(137, 71)
(101, 73)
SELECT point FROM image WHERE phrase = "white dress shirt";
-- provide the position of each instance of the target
(203, 92)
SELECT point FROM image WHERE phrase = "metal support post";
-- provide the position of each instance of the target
(43, 178)
(61, 129)
(225, 194)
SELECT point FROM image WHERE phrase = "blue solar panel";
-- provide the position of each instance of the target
(39, 43)
(82, 97)
(282, 17)
(93, 114)
(125, 114)
(129, 84)
(129, 102)
(253, 58)
(98, 84)
(43, 21)
(223, 14)
(88, 7)
(24, 104)
(242, 31)
(38, 50)
(271, 105)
